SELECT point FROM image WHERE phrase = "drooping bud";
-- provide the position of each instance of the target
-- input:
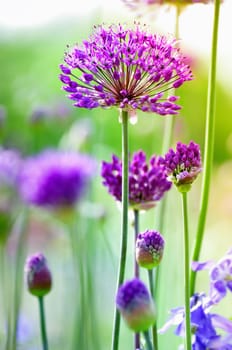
(136, 305)
(38, 275)
(149, 249)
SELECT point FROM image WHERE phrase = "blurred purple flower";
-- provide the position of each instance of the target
(127, 68)
(55, 179)
(220, 276)
(143, 7)
(204, 325)
(136, 3)
(147, 182)
(10, 164)
(183, 165)
(134, 302)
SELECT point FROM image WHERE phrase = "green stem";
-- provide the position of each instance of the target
(167, 141)
(186, 273)
(124, 226)
(170, 120)
(136, 231)
(148, 341)
(78, 255)
(4, 291)
(209, 145)
(136, 268)
(20, 231)
(43, 323)
(154, 327)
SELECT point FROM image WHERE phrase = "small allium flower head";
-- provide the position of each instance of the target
(127, 68)
(38, 275)
(55, 179)
(149, 249)
(147, 182)
(183, 165)
(136, 305)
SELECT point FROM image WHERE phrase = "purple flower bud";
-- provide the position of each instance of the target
(183, 165)
(136, 305)
(149, 249)
(38, 276)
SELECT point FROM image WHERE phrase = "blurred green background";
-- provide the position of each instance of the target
(35, 114)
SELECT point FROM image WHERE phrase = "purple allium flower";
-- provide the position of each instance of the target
(147, 182)
(136, 305)
(203, 323)
(220, 276)
(10, 164)
(38, 275)
(149, 249)
(127, 68)
(183, 165)
(55, 179)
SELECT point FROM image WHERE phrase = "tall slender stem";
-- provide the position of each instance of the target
(154, 327)
(136, 268)
(136, 227)
(20, 230)
(43, 323)
(209, 144)
(124, 225)
(148, 341)
(186, 273)
(4, 291)
(167, 141)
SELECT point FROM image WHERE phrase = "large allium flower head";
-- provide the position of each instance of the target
(136, 305)
(38, 275)
(149, 249)
(183, 165)
(147, 181)
(127, 68)
(55, 179)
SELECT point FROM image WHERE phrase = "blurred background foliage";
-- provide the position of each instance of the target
(35, 114)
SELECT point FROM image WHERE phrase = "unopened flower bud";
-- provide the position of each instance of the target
(136, 305)
(38, 275)
(149, 249)
(183, 165)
